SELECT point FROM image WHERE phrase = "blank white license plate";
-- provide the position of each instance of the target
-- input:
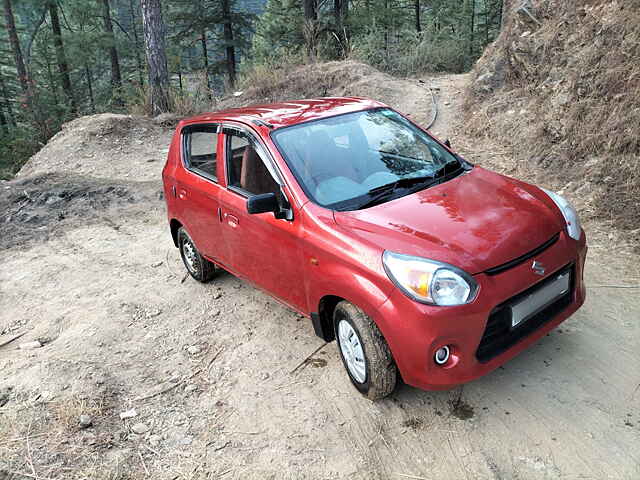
(533, 303)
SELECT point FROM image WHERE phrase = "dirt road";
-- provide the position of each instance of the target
(90, 272)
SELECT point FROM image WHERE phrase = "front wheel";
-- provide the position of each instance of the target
(364, 352)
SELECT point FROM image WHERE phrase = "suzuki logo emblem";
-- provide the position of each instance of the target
(538, 268)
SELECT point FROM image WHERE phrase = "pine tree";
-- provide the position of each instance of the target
(154, 37)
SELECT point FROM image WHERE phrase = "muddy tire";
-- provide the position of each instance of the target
(364, 351)
(198, 267)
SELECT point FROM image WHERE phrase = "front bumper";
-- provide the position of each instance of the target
(415, 331)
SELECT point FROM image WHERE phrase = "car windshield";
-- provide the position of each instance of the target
(358, 159)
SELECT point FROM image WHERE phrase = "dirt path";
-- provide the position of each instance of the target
(211, 369)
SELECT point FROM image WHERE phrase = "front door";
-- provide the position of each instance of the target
(264, 250)
(197, 186)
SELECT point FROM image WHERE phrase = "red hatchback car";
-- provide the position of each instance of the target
(416, 261)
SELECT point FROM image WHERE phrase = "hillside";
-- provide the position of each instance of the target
(560, 88)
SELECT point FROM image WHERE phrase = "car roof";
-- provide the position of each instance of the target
(284, 114)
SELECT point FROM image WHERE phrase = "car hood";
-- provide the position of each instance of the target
(476, 221)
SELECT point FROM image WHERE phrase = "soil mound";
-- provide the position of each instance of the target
(103, 146)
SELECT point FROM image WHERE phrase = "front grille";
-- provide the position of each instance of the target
(499, 336)
(522, 258)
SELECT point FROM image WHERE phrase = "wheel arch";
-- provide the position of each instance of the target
(174, 225)
(323, 319)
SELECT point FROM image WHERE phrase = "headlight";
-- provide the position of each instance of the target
(568, 212)
(429, 281)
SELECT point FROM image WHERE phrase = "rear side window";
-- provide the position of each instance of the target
(200, 144)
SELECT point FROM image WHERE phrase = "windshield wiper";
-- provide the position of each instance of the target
(442, 171)
(378, 194)
(400, 155)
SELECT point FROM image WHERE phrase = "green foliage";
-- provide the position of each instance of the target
(383, 33)
(262, 39)
(278, 30)
(410, 53)
(15, 147)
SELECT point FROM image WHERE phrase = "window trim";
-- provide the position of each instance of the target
(185, 134)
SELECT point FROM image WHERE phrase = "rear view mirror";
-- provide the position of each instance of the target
(265, 202)
(447, 143)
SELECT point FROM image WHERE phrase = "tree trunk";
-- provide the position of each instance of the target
(53, 85)
(228, 40)
(337, 14)
(417, 9)
(154, 39)
(3, 121)
(205, 59)
(486, 22)
(7, 101)
(116, 79)
(310, 18)
(15, 46)
(506, 4)
(345, 19)
(472, 29)
(386, 29)
(136, 42)
(87, 73)
(310, 12)
(63, 66)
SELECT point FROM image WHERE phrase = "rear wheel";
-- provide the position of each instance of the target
(198, 267)
(364, 352)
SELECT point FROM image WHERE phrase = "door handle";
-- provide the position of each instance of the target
(232, 220)
(182, 194)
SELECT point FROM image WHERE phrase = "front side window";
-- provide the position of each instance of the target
(246, 165)
(342, 162)
(200, 144)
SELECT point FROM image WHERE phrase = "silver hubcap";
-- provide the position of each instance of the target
(352, 352)
(190, 255)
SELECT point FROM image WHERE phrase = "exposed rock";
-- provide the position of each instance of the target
(128, 414)
(140, 428)
(85, 421)
(193, 349)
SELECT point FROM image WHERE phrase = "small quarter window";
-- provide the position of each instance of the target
(200, 150)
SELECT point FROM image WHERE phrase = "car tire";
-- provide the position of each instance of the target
(357, 334)
(198, 267)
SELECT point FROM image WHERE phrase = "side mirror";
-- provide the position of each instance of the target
(447, 143)
(265, 202)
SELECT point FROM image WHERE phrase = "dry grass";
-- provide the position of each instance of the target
(564, 97)
(42, 439)
(292, 81)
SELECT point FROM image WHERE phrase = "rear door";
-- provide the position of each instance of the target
(197, 187)
(264, 250)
